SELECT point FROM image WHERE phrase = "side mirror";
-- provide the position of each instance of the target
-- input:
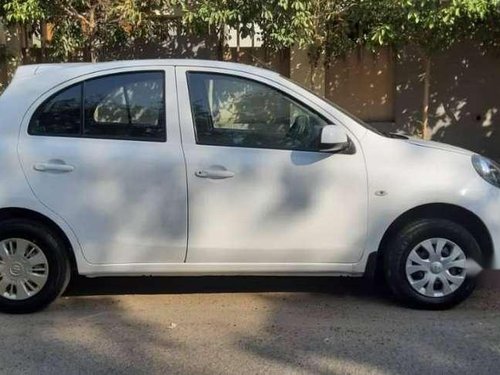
(333, 139)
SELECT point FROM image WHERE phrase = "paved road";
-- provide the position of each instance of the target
(248, 325)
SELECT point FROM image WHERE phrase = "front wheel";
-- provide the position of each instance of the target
(34, 267)
(426, 263)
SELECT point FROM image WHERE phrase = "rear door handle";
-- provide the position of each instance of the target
(53, 167)
(216, 174)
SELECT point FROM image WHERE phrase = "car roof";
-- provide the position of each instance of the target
(70, 70)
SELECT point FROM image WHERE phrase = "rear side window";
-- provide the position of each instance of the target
(125, 106)
(120, 106)
(61, 114)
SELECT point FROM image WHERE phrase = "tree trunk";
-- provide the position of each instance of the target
(43, 41)
(93, 54)
(253, 45)
(92, 34)
(284, 61)
(89, 53)
(267, 55)
(238, 42)
(23, 34)
(312, 68)
(426, 132)
(221, 42)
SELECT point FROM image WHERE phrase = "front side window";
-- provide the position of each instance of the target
(234, 111)
(120, 106)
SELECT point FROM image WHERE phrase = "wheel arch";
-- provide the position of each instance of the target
(455, 213)
(24, 213)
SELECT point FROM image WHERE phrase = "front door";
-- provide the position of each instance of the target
(259, 189)
(105, 155)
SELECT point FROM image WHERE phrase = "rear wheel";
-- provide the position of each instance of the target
(427, 264)
(34, 267)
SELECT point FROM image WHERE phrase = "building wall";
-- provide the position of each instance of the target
(170, 47)
(465, 92)
(363, 83)
(279, 62)
(465, 97)
(302, 72)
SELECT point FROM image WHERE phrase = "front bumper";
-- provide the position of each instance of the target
(488, 211)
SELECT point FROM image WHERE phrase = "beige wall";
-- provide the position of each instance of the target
(465, 97)
(279, 62)
(301, 71)
(465, 92)
(363, 83)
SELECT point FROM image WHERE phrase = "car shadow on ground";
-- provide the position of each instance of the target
(339, 286)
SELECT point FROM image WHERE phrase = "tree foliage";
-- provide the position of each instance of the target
(24, 11)
(328, 27)
(279, 23)
(85, 25)
(206, 17)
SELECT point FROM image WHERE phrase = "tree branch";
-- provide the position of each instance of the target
(71, 11)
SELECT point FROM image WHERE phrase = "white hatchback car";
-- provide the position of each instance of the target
(179, 167)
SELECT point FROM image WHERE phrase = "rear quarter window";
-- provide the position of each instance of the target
(61, 114)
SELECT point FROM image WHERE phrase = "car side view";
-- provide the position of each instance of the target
(190, 167)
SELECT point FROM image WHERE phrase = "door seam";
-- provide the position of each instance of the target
(185, 163)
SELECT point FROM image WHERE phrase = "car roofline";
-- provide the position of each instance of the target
(26, 72)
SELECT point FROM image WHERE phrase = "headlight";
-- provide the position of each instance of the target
(487, 169)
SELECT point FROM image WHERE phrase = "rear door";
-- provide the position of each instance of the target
(105, 155)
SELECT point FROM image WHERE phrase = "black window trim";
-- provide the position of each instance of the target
(82, 111)
(295, 100)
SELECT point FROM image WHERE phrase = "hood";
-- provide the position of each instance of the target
(438, 145)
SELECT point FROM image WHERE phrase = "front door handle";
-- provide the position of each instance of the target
(53, 167)
(216, 174)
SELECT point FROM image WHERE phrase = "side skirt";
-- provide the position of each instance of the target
(205, 269)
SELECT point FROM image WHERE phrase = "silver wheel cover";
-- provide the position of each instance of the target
(24, 269)
(436, 267)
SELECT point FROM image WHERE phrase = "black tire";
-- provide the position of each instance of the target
(59, 267)
(409, 237)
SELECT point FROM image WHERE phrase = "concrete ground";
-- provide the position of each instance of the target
(248, 325)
